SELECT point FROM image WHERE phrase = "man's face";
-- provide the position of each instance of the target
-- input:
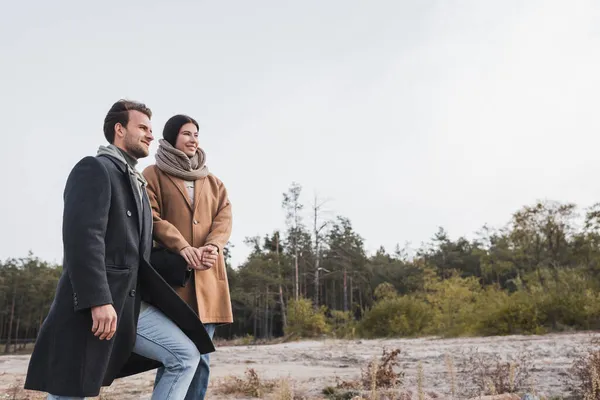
(137, 135)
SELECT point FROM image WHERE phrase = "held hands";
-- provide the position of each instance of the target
(211, 254)
(104, 321)
(201, 258)
(192, 256)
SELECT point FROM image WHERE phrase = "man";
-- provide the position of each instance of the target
(89, 335)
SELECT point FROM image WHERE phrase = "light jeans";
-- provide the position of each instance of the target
(197, 390)
(158, 338)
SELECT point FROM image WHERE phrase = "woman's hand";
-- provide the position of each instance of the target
(192, 256)
(210, 254)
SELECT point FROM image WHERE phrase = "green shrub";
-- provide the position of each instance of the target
(304, 320)
(544, 300)
(342, 324)
(385, 291)
(398, 316)
(499, 313)
(566, 299)
(548, 300)
(454, 303)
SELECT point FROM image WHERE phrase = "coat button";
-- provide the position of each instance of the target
(128, 213)
(195, 222)
(132, 293)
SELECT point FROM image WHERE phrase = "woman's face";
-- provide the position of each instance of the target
(187, 140)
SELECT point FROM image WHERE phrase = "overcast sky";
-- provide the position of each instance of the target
(406, 115)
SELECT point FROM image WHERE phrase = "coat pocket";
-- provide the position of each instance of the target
(119, 282)
(99, 363)
(221, 272)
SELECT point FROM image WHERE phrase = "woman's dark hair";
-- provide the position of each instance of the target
(174, 124)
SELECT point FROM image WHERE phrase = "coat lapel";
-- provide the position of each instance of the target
(180, 186)
(133, 180)
(146, 233)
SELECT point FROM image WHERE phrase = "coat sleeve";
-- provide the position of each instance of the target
(87, 203)
(164, 232)
(220, 230)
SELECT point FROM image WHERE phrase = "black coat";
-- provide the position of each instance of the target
(107, 236)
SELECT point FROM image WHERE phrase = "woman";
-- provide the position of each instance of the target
(192, 216)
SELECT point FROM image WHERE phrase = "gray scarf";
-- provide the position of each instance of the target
(114, 151)
(176, 163)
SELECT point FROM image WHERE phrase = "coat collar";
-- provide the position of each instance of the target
(118, 163)
(198, 186)
(134, 181)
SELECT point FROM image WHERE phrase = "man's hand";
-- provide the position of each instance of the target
(104, 321)
(213, 248)
(210, 255)
(193, 256)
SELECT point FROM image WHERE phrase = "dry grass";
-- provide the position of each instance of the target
(380, 378)
(252, 385)
(584, 377)
(451, 375)
(16, 392)
(490, 375)
(284, 390)
(420, 381)
(378, 374)
(381, 374)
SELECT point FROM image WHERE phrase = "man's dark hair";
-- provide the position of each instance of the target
(119, 114)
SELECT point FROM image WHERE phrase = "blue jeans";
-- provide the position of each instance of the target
(199, 384)
(158, 338)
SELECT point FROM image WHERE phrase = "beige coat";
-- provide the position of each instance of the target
(178, 224)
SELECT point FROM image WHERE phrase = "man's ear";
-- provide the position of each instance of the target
(119, 130)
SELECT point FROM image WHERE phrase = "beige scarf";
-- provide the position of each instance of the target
(176, 163)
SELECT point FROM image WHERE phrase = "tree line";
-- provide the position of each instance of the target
(27, 287)
(538, 273)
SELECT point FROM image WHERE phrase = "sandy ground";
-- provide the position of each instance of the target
(311, 366)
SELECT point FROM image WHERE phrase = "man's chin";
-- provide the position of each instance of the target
(140, 153)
